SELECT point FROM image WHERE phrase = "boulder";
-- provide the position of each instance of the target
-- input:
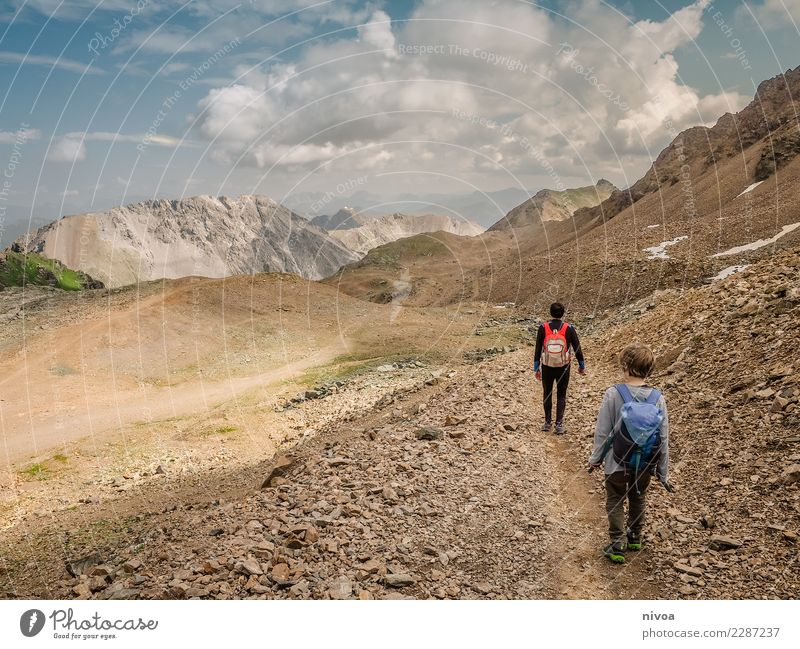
(427, 433)
(279, 467)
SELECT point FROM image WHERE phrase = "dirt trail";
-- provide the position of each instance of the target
(540, 516)
(97, 395)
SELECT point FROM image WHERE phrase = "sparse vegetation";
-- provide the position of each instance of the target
(35, 471)
(20, 269)
(219, 430)
(421, 245)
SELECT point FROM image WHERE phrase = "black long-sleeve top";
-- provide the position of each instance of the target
(572, 340)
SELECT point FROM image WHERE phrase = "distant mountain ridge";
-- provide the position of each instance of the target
(345, 218)
(553, 205)
(202, 235)
(380, 230)
(482, 207)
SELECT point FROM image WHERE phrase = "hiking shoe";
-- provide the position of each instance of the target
(615, 552)
(546, 427)
(634, 542)
(560, 428)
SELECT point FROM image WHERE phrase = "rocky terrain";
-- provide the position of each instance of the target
(203, 235)
(553, 205)
(380, 230)
(440, 485)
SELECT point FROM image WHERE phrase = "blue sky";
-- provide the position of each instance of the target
(110, 103)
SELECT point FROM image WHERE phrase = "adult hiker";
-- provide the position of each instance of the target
(631, 442)
(556, 341)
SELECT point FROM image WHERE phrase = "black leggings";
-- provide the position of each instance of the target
(559, 376)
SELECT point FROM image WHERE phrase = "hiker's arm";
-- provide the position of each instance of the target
(603, 429)
(662, 470)
(537, 354)
(576, 346)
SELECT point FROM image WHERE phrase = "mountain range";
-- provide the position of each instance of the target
(203, 235)
(377, 231)
(714, 199)
(482, 207)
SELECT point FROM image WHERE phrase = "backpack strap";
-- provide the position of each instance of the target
(547, 330)
(624, 392)
(564, 327)
(655, 395)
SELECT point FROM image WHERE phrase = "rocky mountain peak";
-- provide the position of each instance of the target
(202, 235)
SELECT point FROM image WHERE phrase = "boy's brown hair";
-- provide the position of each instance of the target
(638, 360)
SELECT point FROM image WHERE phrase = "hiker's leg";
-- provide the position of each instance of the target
(561, 394)
(616, 486)
(637, 502)
(548, 377)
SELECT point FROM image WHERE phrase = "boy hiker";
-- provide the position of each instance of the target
(632, 441)
(551, 362)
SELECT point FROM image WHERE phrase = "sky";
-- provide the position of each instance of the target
(308, 101)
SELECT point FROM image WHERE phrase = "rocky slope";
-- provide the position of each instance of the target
(773, 114)
(728, 363)
(552, 205)
(203, 235)
(374, 232)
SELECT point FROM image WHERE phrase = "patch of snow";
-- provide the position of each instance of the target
(650, 227)
(760, 243)
(660, 251)
(749, 189)
(727, 272)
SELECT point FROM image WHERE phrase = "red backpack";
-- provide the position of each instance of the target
(555, 350)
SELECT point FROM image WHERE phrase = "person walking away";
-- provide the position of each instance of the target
(631, 441)
(556, 341)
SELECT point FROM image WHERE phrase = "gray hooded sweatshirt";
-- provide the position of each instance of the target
(609, 420)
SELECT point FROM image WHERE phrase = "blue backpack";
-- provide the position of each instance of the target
(638, 445)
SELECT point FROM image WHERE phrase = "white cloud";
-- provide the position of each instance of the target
(455, 63)
(106, 136)
(49, 61)
(378, 32)
(235, 115)
(74, 8)
(22, 135)
(71, 147)
(773, 13)
(67, 149)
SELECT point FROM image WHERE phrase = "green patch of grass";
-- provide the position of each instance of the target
(159, 422)
(18, 269)
(219, 430)
(62, 370)
(421, 245)
(60, 457)
(349, 366)
(36, 471)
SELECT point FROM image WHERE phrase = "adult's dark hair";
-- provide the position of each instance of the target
(557, 310)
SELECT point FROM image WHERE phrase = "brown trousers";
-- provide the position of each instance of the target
(619, 488)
